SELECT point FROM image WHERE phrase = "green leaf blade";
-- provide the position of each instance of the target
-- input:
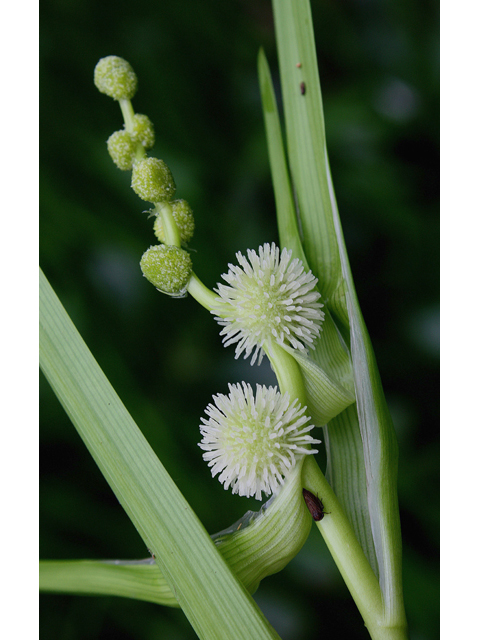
(367, 445)
(307, 146)
(285, 205)
(346, 474)
(379, 443)
(141, 580)
(212, 598)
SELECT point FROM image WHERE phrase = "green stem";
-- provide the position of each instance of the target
(343, 544)
(128, 113)
(349, 556)
(141, 579)
(335, 527)
(289, 376)
(170, 229)
(202, 294)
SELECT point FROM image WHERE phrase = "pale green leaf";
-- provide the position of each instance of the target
(305, 130)
(285, 205)
(258, 545)
(326, 397)
(139, 579)
(346, 474)
(345, 466)
(363, 453)
(330, 353)
(264, 542)
(213, 599)
(380, 448)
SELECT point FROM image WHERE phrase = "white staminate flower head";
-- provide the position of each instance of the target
(268, 297)
(253, 441)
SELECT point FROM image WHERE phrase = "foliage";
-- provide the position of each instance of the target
(92, 241)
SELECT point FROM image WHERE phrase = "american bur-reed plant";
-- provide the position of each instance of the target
(294, 304)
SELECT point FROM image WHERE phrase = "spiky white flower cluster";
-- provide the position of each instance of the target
(254, 441)
(268, 296)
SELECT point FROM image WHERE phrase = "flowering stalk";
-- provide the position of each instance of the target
(269, 305)
(170, 229)
(268, 300)
(336, 529)
(287, 372)
(260, 443)
(360, 441)
(349, 557)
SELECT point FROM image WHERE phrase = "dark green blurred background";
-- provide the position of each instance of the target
(196, 63)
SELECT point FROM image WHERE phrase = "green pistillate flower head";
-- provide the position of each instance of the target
(121, 147)
(168, 268)
(143, 130)
(254, 441)
(268, 297)
(152, 180)
(183, 216)
(115, 77)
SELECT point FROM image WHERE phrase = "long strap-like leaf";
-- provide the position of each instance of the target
(212, 598)
(141, 579)
(305, 131)
(367, 449)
